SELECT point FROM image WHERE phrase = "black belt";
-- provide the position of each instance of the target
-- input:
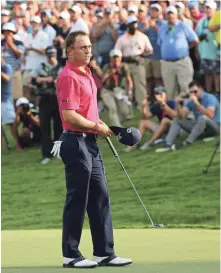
(85, 135)
(131, 59)
(174, 60)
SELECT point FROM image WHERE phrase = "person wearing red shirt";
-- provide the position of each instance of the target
(85, 176)
(195, 13)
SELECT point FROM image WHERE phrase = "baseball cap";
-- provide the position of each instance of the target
(171, 9)
(76, 9)
(193, 4)
(100, 14)
(127, 136)
(159, 90)
(36, 19)
(131, 19)
(21, 101)
(65, 15)
(156, 6)
(133, 8)
(47, 12)
(180, 5)
(5, 12)
(9, 27)
(115, 52)
(211, 4)
(142, 8)
(51, 51)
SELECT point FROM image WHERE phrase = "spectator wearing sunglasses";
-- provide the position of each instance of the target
(206, 122)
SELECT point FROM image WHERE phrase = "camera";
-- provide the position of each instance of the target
(25, 107)
(186, 96)
(203, 37)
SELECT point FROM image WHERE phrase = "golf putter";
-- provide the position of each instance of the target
(138, 196)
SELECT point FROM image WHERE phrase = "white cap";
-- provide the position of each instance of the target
(76, 9)
(171, 9)
(210, 4)
(131, 19)
(35, 19)
(156, 6)
(5, 12)
(115, 52)
(100, 14)
(180, 5)
(10, 27)
(47, 12)
(21, 100)
(133, 9)
(23, 6)
(65, 15)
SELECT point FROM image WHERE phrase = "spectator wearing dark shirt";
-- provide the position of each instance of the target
(164, 110)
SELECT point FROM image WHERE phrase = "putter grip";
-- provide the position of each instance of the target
(112, 147)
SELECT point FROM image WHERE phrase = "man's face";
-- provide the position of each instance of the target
(80, 52)
(195, 90)
(141, 15)
(160, 96)
(44, 19)
(74, 15)
(154, 13)
(194, 12)
(209, 12)
(172, 17)
(116, 60)
(35, 26)
(4, 19)
(52, 60)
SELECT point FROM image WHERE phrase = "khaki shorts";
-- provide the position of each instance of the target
(153, 68)
(26, 77)
(17, 88)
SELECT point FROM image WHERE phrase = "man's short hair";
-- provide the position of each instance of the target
(193, 83)
(70, 40)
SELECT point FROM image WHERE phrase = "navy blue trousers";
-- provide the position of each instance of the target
(86, 191)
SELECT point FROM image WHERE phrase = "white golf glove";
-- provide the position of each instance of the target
(56, 149)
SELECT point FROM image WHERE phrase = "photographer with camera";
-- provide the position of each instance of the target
(113, 94)
(207, 47)
(163, 109)
(31, 132)
(44, 79)
(206, 110)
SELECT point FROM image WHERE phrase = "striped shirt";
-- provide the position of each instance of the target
(9, 56)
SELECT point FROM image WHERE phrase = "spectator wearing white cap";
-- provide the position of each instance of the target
(78, 23)
(4, 16)
(181, 14)
(35, 52)
(46, 27)
(106, 36)
(7, 107)
(132, 10)
(113, 93)
(62, 32)
(134, 45)
(152, 62)
(174, 39)
(207, 48)
(12, 50)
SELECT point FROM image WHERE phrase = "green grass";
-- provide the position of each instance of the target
(153, 251)
(172, 186)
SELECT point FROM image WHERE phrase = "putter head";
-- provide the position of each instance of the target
(158, 226)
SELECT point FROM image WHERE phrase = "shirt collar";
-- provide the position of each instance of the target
(77, 70)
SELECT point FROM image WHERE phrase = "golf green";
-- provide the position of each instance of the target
(152, 250)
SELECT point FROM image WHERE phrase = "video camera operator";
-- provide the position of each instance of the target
(28, 116)
(44, 79)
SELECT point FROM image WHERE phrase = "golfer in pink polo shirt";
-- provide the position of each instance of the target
(85, 178)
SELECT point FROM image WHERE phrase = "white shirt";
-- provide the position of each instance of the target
(80, 25)
(50, 32)
(33, 58)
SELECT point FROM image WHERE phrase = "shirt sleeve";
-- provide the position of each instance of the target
(68, 93)
(212, 101)
(148, 47)
(190, 33)
(118, 44)
(172, 104)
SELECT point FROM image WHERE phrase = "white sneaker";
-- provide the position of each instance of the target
(80, 262)
(45, 161)
(208, 139)
(112, 261)
(129, 149)
(145, 146)
(167, 148)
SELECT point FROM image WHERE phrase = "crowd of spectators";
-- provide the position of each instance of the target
(146, 54)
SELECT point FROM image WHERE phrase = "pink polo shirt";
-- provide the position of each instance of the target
(77, 91)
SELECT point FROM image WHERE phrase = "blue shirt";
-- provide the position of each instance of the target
(207, 47)
(208, 101)
(174, 43)
(6, 93)
(157, 111)
(9, 56)
(152, 35)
